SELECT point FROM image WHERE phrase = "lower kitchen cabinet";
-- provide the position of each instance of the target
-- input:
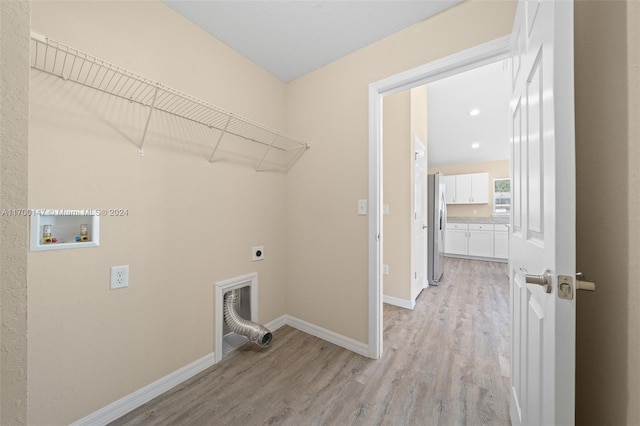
(480, 240)
(456, 241)
(477, 240)
(501, 242)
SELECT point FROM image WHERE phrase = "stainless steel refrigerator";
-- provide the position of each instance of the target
(436, 224)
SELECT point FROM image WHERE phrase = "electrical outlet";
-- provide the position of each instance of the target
(257, 253)
(119, 277)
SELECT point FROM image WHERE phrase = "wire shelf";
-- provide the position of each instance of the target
(71, 64)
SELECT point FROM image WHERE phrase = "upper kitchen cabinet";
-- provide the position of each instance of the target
(470, 188)
(449, 188)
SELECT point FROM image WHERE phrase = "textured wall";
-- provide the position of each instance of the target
(608, 211)
(189, 224)
(633, 162)
(14, 130)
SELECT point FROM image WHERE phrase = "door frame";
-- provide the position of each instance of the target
(465, 60)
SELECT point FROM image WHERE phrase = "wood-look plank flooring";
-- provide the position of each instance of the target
(445, 363)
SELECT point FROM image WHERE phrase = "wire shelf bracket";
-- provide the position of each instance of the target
(70, 64)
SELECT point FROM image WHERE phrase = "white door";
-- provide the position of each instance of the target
(543, 217)
(419, 219)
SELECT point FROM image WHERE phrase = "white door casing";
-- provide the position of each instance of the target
(543, 217)
(419, 264)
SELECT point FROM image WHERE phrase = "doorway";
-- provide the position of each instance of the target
(454, 64)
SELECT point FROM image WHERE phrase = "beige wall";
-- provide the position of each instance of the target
(607, 64)
(496, 169)
(405, 115)
(329, 107)
(397, 193)
(14, 135)
(189, 224)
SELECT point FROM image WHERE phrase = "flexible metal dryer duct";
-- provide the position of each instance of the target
(255, 332)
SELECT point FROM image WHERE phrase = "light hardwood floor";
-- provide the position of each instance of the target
(445, 363)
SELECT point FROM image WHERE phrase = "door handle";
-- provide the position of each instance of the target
(424, 226)
(543, 280)
(583, 284)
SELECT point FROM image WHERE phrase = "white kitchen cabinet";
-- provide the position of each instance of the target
(481, 240)
(501, 242)
(480, 188)
(477, 240)
(456, 239)
(470, 188)
(463, 189)
(449, 188)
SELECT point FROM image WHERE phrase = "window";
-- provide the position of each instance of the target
(502, 197)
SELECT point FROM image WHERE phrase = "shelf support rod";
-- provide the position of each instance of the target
(215, 148)
(266, 153)
(146, 127)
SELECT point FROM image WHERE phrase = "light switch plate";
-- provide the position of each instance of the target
(362, 207)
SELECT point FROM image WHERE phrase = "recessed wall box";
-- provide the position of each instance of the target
(64, 229)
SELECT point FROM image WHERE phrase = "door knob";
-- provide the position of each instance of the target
(543, 280)
(583, 284)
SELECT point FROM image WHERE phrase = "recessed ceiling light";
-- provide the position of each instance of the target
(475, 145)
(474, 112)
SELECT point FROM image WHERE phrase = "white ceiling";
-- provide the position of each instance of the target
(292, 38)
(451, 130)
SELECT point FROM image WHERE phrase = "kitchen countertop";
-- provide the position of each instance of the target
(476, 219)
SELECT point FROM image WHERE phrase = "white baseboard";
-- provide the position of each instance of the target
(396, 301)
(277, 323)
(328, 335)
(134, 400)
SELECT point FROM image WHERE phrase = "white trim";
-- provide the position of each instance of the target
(462, 61)
(277, 323)
(396, 301)
(134, 400)
(328, 335)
